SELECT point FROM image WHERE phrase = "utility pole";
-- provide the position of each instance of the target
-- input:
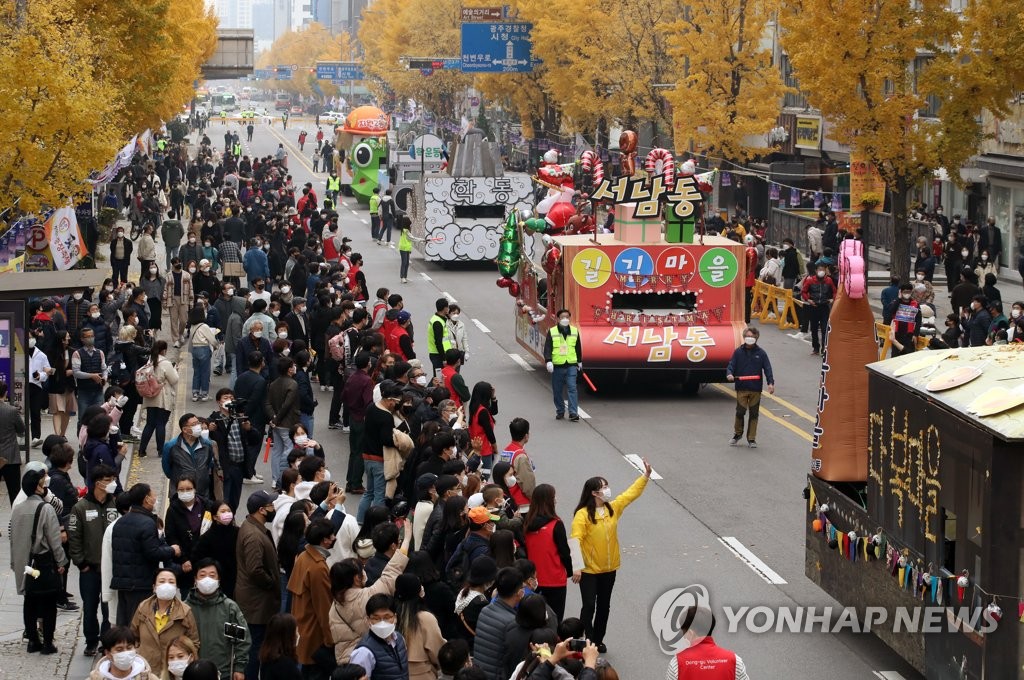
(20, 13)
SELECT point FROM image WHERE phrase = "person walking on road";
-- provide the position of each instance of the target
(564, 356)
(120, 255)
(375, 230)
(745, 368)
(178, 299)
(158, 408)
(282, 412)
(818, 292)
(595, 526)
(258, 585)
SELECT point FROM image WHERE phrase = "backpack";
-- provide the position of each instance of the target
(119, 374)
(336, 346)
(146, 382)
(456, 574)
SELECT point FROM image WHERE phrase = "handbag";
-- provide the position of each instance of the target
(48, 582)
(233, 269)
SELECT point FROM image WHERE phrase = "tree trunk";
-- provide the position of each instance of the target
(899, 262)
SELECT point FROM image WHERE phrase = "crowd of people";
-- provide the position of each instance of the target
(457, 562)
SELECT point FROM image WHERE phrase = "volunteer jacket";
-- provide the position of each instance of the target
(599, 540)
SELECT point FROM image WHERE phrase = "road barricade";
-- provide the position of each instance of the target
(885, 344)
(773, 302)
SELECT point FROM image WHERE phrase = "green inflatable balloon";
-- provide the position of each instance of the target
(508, 248)
(536, 224)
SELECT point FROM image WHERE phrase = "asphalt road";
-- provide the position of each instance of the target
(709, 494)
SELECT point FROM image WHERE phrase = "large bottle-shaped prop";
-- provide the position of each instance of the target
(840, 447)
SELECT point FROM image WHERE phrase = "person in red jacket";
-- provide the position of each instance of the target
(750, 258)
(703, 659)
(818, 292)
(453, 380)
(547, 545)
(399, 341)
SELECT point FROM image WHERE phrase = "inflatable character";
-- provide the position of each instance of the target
(509, 254)
(627, 147)
(362, 134)
(840, 446)
(593, 169)
(558, 179)
(363, 162)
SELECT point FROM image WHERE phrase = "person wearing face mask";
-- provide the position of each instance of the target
(905, 315)
(964, 291)
(453, 380)
(595, 528)
(219, 544)
(137, 550)
(180, 653)
(745, 368)
(260, 315)
(791, 267)
(87, 523)
(282, 410)
(212, 609)
(89, 368)
(39, 371)
(121, 659)
(953, 259)
(171, 231)
(438, 341)
(192, 251)
(121, 248)
(489, 645)
(563, 354)
(976, 322)
(258, 586)
(206, 281)
(924, 293)
(310, 586)
(1015, 331)
(76, 311)
(818, 292)
(696, 623)
(146, 254)
(254, 340)
(255, 262)
(102, 336)
(188, 516)
(178, 298)
(190, 454)
(161, 618)
(35, 530)
(986, 264)
(456, 329)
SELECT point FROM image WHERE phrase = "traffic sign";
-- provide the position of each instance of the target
(497, 48)
(433, 63)
(477, 14)
(343, 71)
(264, 74)
(283, 72)
(350, 70)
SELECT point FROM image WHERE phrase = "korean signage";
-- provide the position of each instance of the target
(865, 183)
(283, 72)
(808, 132)
(497, 48)
(484, 14)
(648, 195)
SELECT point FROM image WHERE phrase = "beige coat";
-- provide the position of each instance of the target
(168, 377)
(147, 248)
(423, 647)
(153, 645)
(348, 618)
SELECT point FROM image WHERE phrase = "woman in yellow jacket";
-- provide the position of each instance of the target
(595, 527)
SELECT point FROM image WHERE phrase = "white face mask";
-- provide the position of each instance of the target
(564, 323)
(1015, 313)
(114, 429)
(606, 494)
(94, 315)
(32, 342)
(123, 660)
(229, 292)
(383, 629)
(196, 430)
(191, 270)
(454, 317)
(177, 667)
(276, 313)
(920, 277)
(282, 334)
(421, 380)
(152, 270)
(257, 334)
(510, 481)
(301, 439)
(166, 591)
(821, 275)
(205, 434)
(186, 496)
(749, 340)
(111, 487)
(327, 475)
(207, 585)
(108, 288)
(285, 289)
(965, 253)
(77, 296)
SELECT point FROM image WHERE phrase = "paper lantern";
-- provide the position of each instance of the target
(817, 525)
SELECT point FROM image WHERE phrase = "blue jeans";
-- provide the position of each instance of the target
(279, 453)
(307, 423)
(156, 421)
(201, 367)
(374, 494)
(90, 584)
(565, 377)
(86, 398)
(233, 484)
(257, 631)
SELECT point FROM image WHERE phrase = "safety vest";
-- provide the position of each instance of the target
(431, 342)
(540, 546)
(334, 184)
(161, 144)
(394, 342)
(447, 373)
(706, 661)
(563, 350)
(330, 249)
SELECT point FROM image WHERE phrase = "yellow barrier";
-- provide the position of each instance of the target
(882, 336)
(766, 301)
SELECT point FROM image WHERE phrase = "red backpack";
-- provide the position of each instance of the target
(146, 381)
(336, 346)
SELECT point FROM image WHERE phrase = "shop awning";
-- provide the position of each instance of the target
(23, 285)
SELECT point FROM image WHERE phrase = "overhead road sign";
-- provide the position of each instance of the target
(434, 63)
(339, 70)
(484, 14)
(283, 72)
(497, 48)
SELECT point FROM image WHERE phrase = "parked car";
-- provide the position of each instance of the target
(296, 111)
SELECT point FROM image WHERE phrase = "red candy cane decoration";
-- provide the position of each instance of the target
(592, 163)
(668, 165)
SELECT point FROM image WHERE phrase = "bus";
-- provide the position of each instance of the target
(282, 101)
(202, 97)
(224, 101)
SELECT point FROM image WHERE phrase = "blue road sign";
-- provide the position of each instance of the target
(350, 71)
(497, 48)
(326, 70)
(343, 71)
(283, 72)
(264, 74)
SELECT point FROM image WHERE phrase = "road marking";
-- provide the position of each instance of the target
(794, 408)
(448, 296)
(363, 220)
(797, 336)
(752, 560)
(580, 412)
(769, 415)
(638, 462)
(521, 361)
(888, 675)
(425, 277)
(483, 328)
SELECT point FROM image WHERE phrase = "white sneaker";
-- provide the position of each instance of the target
(136, 431)
(177, 344)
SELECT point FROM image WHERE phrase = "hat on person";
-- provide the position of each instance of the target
(480, 516)
(389, 389)
(259, 499)
(407, 587)
(483, 570)
(475, 501)
(425, 481)
(364, 548)
(403, 316)
(927, 312)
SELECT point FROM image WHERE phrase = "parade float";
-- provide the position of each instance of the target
(363, 134)
(914, 499)
(457, 216)
(655, 296)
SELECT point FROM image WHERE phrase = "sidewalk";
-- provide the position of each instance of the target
(69, 663)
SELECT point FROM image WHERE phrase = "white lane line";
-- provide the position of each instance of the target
(448, 296)
(753, 561)
(638, 462)
(483, 328)
(363, 220)
(888, 675)
(521, 361)
(425, 277)
(580, 412)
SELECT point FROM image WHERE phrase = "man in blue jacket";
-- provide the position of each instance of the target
(745, 368)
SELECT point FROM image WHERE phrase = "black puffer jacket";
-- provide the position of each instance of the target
(137, 551)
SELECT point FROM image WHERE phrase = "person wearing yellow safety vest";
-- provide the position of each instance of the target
(564, 356)
(161, 144)
(333, 186)
(438, 341)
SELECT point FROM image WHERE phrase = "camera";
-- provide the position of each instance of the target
(398, 507)
(233, 631)
(575, 644)
(236, 407)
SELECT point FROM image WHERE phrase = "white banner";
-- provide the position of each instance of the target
(66, 243)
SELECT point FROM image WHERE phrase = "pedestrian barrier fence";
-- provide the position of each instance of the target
(885, 344)
(776, 303)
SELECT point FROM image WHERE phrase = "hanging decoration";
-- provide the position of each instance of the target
(773, 192)
(726, 179)
(794, 198)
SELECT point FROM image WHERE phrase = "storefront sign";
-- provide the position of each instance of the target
(808, 132)
(865, 183)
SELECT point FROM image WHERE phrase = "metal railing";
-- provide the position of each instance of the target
(783, 224)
